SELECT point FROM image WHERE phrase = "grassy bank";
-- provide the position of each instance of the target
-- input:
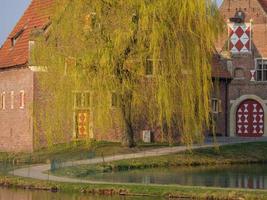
(164, 191)
(73, 151)
(231, 154)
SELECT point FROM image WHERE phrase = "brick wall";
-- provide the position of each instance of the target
(252, 8)
(16, 131)
(219, 91)
(242, 64)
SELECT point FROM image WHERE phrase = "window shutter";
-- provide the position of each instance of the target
(219, 106)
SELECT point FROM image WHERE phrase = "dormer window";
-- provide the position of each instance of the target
(15, 38)
(239, 17)
(13, 41)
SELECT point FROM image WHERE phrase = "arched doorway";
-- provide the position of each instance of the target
(250, 119)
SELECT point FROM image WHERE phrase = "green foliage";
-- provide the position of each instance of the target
(77, 150)
(105, 46)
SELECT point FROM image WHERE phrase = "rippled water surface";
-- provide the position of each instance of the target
(237, 176)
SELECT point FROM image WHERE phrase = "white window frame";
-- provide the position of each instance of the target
(83, 95)
(218, 105)
(262, 70)
(21, 99)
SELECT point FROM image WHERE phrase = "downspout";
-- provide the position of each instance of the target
(226, 107)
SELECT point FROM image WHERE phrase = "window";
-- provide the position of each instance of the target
(12, 99)
(261, 70)
(149, 67)
(216, 105)
(82, 100)
(70, 63)
(90, 21)
(86, 99)
(78, 99)
(15, 38)
(13, 42)
(114, 99)
(3, 101)
(22, 99)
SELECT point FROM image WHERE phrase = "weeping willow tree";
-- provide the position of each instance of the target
(107, 47)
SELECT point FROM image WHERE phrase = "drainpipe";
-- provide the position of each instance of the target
(226, 107)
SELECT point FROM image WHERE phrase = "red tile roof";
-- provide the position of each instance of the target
(36, 16)
(218, 71)
(263, 4)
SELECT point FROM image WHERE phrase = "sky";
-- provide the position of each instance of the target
(11, 11)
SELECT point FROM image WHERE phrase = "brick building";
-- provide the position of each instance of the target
(17, 81)
(221, 79)
(243, 50)
(239, 73)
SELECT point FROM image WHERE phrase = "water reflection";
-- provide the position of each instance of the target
(8, 194)
(237, 176)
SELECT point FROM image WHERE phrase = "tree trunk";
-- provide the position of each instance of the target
(126, 106)
(168, 131)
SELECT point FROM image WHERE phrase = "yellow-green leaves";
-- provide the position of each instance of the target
(111, 41)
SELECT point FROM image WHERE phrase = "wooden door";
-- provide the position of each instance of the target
(250, 119)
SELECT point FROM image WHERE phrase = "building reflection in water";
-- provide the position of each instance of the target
(235, 176)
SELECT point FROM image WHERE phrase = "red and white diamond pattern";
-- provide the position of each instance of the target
(250, 119)
(82, 124)
(239, 37)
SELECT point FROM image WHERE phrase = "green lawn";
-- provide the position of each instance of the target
(68, 152)
(231, 154)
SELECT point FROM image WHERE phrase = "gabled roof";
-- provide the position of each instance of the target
(36, 16)
(263, 4)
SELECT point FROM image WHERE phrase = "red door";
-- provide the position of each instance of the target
(82, 123)
(250, 119)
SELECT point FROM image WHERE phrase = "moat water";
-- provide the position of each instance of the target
(235, 176)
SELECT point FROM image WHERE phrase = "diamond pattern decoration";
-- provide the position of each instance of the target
(239, 37)
(250, 119)
(253, 73)
(82, 123)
